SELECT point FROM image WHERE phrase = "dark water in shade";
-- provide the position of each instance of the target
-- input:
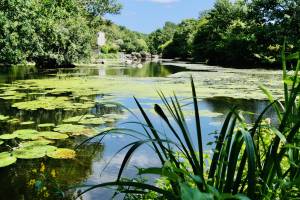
(53, 179)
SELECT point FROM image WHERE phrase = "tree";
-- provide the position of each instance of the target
(101, 7)
(181, 44)
(160, 37)
(50, 33)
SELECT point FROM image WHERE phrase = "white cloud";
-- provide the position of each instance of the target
(162, 1)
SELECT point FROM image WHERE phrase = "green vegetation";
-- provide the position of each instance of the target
(239, 33)
(260, 160)
(54, 33)
(121, 39)
(50, 33)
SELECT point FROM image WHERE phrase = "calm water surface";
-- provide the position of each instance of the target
(51, 179)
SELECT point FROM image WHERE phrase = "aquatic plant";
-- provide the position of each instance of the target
(39, 142)
(53, 135)
(52, 103)
(46, 125)
(3, 118)
(92, 121)
(6, 159)
(33, 151)
(260, 160)
(62, 153)
(27, 123)
(26, 134)
(8, 136)
(74, 130)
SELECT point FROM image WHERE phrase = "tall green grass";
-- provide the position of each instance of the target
(256, 161)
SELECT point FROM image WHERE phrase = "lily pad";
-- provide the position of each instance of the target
(92, 121)
(62, 153)
(12, 95)
(53, 135)
(13, 121)
(32, 152)
(40, 142)
(74, 130)
(52, 103)
(27, 134)
(8, 136)
(46, 125)
(3, 118)
(6, 159)
(73, 119)
(27, 123)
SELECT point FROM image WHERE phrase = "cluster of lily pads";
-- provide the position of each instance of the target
(52, 103)
(37, 144)
(34, 144)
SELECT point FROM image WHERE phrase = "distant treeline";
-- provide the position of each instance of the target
(58, 33)
(240, 33)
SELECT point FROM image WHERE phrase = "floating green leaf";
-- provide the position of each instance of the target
(3, 118)
(92, 121)
(32, 151)
(6, 159)
(74, 130)
(76, 119)
(40, 142)
(52, 103)
(13, 121)
(8, 136)
(46, 125)
(53, 135)
(27, 123)
(27, 134)
(62, 153)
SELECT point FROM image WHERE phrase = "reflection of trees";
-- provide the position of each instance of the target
(224, 104)
(17, 72)
(150, 69)
(48, 178)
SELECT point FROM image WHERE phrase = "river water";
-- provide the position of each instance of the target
(47, 178)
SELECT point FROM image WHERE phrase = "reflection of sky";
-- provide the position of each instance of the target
(144, 156)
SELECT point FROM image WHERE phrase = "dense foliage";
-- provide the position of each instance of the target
(50, 32)
(240, 33)
(160, 37)
(121, 39)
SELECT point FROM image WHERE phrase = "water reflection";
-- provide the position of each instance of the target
(50, 179)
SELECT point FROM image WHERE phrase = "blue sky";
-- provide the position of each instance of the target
(148, 15)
